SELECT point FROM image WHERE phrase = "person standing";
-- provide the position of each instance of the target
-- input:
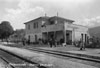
(82, 46)
(23, 41)
(50, 42)
(82, 43)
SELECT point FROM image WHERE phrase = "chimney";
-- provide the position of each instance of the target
(57, 14)
(45, 14)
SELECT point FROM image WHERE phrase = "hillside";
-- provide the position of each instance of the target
(95, 31)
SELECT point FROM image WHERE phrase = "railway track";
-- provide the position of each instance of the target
(66, 54)
(7, 62)
(56, 53)
(15, 61)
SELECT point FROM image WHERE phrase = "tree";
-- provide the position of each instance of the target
(5, 29)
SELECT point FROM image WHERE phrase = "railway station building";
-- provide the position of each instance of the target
(60, 28)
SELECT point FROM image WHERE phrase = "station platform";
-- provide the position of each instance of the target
(44, 58)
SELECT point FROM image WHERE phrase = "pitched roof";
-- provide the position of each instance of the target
(57, 17)
(45, 17)
(50, 19)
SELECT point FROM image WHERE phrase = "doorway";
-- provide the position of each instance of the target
(67, 38)
(35, 38)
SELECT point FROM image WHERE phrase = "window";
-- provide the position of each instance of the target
(35, 25)
(56, 22)
(52, 22)
(43, 23)
(29, 37)
(29, 27)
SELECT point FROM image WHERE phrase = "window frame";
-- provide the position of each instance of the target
(35, 25)
(28, 26)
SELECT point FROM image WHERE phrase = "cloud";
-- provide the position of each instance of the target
(29, 9)
(92, 22)
(22, 14)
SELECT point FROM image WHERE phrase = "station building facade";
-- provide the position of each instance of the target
(60, 28)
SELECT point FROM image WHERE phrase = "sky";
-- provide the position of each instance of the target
(17, 12)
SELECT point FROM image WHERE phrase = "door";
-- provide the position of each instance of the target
(67, 38)
(29, 37)
(35, 38)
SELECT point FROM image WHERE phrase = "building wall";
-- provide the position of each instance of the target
(33, 31)
(75, 30)
(59, 35)
(80, 30)
(54, 27)
(32, 36)
(45, 35)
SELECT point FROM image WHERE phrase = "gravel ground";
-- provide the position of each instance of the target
(46, 59)
(61, 48)
(14, 61)
(3, 64)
